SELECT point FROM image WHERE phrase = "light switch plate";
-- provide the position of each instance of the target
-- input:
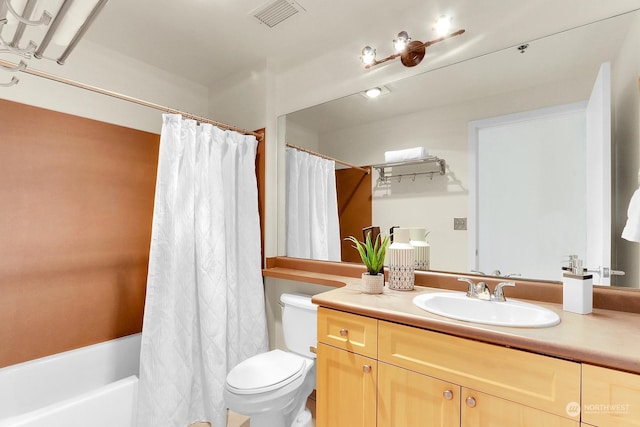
(459, 223)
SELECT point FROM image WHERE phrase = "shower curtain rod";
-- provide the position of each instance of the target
(367, 171)
(127, 98)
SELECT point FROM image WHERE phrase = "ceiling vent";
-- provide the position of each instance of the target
(276, 11)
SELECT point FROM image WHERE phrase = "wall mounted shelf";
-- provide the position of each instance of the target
(412, 168)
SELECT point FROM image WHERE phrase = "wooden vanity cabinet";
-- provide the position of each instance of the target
(610, 398)
(346, 385)
(417, 377)
(533, 380)
(347, 370)
(407, 398)
(483, 410)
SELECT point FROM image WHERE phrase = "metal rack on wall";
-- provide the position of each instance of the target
(411, 168)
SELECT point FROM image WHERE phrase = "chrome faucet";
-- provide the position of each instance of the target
(478, 290)
(481, 291)
(498, 292)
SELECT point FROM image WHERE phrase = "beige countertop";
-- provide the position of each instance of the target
(605, 337)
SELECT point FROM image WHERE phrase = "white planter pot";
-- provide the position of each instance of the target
(372, 284)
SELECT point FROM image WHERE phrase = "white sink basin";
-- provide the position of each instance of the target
(457, 305)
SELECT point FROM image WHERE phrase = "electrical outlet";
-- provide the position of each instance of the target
(459, 223)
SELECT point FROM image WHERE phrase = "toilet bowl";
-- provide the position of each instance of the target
(272, 387)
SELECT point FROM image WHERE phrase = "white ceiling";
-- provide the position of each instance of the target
(208, 40)
(569, 58)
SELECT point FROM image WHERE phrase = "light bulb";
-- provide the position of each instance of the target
(373, 92)
(400, 43)
(368, 55)
(443, 24)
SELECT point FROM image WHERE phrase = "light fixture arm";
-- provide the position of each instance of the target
(414, 48)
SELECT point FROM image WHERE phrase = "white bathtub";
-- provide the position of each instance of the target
(97, 383)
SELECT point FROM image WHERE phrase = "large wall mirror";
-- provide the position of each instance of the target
(435, 109)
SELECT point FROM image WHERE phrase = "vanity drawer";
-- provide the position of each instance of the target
(610, 398)
(350, 332)
(530, 379)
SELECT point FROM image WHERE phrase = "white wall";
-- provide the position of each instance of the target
(273, 289)
(240, 100)
(97, 66)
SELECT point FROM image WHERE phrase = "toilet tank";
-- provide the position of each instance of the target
(299, 323)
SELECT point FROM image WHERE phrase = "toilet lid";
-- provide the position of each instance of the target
(265, 372)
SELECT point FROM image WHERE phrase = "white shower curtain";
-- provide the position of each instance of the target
(204, 310)
(313, 230)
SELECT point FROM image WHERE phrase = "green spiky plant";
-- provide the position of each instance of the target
(372, 253)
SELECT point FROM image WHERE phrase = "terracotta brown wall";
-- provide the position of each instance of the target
(76, 203)
(354, 208)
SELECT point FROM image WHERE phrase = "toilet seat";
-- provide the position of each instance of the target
(265, 372)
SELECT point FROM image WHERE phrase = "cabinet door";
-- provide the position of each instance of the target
(346, 389)
(483, 410)
(409, 399)
(610, 398)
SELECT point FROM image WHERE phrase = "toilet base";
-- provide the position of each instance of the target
(303, 419)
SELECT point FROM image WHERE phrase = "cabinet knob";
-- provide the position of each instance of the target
(343, 332)
(471, 402)
(366, 368)
(448, 394)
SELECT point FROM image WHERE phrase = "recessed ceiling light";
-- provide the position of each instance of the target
(374, 92)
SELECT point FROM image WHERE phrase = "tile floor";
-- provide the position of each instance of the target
(237, 420)
(233, 420)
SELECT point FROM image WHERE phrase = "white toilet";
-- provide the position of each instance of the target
(272, 388)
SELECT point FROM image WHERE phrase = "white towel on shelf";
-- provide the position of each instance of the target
(407, 154)
(631, 230)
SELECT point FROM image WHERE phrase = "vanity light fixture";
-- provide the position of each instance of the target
(443, 25)
(410, 52)
(368, 55)
(400, 43)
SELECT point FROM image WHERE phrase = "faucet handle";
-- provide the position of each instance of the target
(498, 292)
(472, 287)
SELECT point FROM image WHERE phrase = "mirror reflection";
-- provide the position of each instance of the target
(436, 111)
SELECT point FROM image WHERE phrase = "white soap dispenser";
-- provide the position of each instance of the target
(577, 288)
